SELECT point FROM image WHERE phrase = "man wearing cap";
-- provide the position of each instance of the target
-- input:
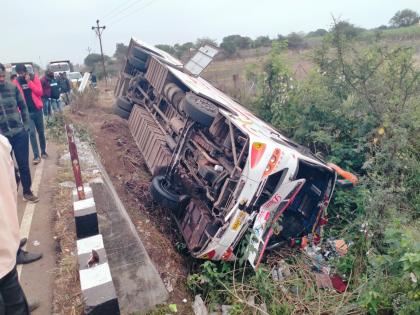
(32, 91)
(14, 125)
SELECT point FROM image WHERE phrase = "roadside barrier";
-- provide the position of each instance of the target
(95, 277)
(86, 218)
(98, 289)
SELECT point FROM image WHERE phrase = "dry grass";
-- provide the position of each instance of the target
(67, 296)
(237, 77)
(85, 100)
(297, 293)
(309, 298)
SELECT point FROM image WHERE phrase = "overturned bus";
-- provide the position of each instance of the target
(221, 171)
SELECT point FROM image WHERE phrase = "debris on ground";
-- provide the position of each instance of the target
(226, 309)
(338, 283)
(67, 184)
(280, 271)
(199, 307)
(173, 308)
(341, 247)
(323, 281)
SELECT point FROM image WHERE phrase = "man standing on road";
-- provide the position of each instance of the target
(12, 298)
(32, 91)
(15, 126)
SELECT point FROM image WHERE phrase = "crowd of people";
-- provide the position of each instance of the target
(25, 103)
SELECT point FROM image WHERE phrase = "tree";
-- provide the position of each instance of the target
(120, 51)
(280, 37)
(262, 41)
(229, 44)
(92, 59)
(93, 63)
(318, 32)
(205, 41)
(232, 43)
(404, 18)
(347, 29)
(295, 41)
(168, 48)
(182, 49)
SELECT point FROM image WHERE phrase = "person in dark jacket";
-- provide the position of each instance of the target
(32, 92)
(46, 92)
(15, 125)
(93, 80)
(65, 87)
(55, 93)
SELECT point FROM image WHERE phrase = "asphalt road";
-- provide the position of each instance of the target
(36, 223)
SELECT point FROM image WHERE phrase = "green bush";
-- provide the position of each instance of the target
(359, 109)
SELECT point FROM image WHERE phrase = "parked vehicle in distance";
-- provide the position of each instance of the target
(75, 79)
(60, 66)
(220, 170)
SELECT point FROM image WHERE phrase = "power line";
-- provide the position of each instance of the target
(123, 10)
(111, 12)
(133, 12)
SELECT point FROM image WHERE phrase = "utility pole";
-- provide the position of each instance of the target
(99, 30)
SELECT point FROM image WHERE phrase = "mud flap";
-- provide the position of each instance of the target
(268, 215)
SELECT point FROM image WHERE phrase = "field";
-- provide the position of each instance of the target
(236, 76)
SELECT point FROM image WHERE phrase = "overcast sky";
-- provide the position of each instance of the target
(45, 30)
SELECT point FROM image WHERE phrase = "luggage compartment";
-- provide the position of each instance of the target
(150, 139)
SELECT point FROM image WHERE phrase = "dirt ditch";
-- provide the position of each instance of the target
(128, 172)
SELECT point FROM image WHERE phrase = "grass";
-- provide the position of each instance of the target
(249, 292)
(67, 297)
(394, 34)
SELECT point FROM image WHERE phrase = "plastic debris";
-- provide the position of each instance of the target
(281, 271)
(413, 277)
(36, 243)
(341, 247)
(184, 300)
(338, 283)
(173, 308)
(67, 184)
(199, 307)
(335, 248)
(318, 260)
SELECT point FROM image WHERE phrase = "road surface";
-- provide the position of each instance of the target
(36, 223)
